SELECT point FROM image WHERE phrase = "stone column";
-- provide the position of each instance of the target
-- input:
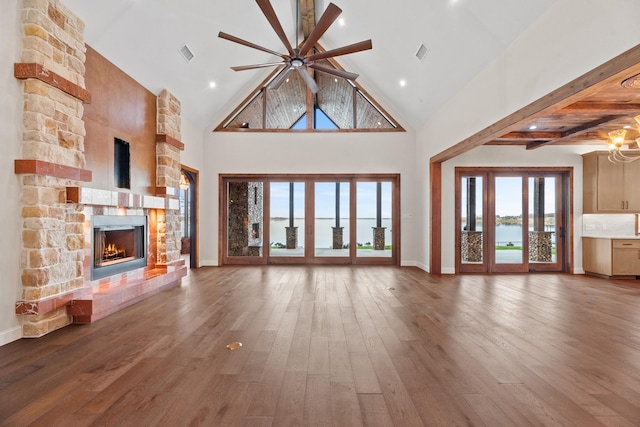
(472, 246)
(337, 237)
(540, 246)
(168, 147)
(378, 238)
(52, 67)
(292, 237)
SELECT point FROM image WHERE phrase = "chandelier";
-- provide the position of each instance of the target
(616, 141)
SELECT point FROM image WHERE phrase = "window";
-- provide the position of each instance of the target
(121, 164)
(339, 105)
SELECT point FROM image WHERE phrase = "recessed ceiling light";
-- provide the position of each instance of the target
(212, 84)
(533, 127)
(403, 83)
(342, 22)
(627, 127)
(287, 80)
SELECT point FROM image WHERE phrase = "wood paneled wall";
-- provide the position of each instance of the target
(120, 108)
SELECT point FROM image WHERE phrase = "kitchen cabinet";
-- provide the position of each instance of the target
(611, 256)
(609, 187)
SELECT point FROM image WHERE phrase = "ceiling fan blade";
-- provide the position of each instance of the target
(277, 82)
(328, 17)
(308, 79)
(253, 67)
(249, 44)
(271, 16)
(340, 73)
(344, 50)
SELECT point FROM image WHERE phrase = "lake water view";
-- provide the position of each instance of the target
(512, 233)
(505, 233)
(324, 230)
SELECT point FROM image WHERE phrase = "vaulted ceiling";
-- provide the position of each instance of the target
(143, 38)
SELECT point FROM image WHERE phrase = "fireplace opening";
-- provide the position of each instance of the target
(119, 244)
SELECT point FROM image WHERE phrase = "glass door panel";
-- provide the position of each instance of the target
(546, 223)
(287, 219)
(331, 219)
(542, 219)
(508, 230)
(244, 219)
(374, 219)
(471, 221)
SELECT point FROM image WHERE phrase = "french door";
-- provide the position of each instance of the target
(512, 220)
(319, 219)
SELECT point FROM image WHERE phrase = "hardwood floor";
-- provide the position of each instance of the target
(342, 346)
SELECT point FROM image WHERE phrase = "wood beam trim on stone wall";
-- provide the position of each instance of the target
(169, 140)
(50, 304)
(40, 167)
(23, 71)
(168, 192)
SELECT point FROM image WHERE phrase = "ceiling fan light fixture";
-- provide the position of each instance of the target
(303, 57)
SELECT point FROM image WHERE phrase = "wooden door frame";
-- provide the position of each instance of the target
(565, 174)
(195, 256)
(309, 257)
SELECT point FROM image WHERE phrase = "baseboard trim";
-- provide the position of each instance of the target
(408, 264)
(422, 266)
(10, 335)
(208, 263)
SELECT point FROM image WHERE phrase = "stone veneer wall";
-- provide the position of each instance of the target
(168, 175)
(53, 158)
(238, 227)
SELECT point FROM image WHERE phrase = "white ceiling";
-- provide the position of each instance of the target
(143, 37)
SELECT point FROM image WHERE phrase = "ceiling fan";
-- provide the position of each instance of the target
(301, 58)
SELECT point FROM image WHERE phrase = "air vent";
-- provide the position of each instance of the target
(186, 53)
(422, 52)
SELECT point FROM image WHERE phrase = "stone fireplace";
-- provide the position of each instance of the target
(71, 208)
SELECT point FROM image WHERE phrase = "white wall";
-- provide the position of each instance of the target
(10, 135)
(192, 137)
(556, 49)
(307, 153)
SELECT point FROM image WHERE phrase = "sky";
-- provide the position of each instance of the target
(325, 205)
(509, 195)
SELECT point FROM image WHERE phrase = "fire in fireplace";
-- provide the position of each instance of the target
(119, 244)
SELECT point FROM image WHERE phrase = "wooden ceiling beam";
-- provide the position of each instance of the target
(529, 136)
(572, 133)
(609, 108)
(611, 72)
(307, 16)
(535, 144)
